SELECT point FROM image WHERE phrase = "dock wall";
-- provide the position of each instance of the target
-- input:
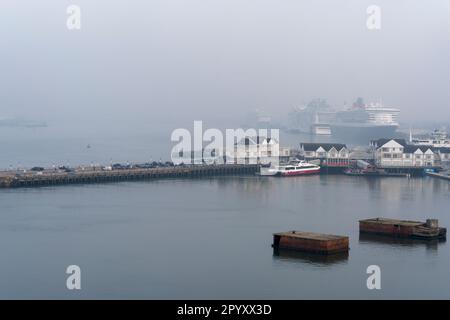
(62, 178)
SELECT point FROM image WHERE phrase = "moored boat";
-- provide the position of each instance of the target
(293, 168)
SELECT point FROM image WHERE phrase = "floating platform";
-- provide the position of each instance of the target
(403, 228)
(311, 242)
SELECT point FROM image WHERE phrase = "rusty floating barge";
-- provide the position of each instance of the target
(311, 242)
(403, 228)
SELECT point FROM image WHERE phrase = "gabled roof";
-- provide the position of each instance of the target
(256, 140)
(380, 142)
(246, 141)
(412, 148)
(326, 146)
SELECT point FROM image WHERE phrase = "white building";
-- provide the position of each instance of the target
(257, 150)
(397, 153)
(332, 154)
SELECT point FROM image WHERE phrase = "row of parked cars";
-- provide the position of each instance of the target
(147, 165)
(115, 166)
(60, 168)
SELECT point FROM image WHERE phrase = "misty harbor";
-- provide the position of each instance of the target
(211, 238)
(107, 92)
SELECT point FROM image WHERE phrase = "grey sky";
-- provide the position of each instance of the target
(172, 61)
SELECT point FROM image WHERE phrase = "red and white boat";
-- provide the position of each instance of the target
(293, 168)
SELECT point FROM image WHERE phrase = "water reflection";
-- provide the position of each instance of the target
(431, 244)
(310, 258)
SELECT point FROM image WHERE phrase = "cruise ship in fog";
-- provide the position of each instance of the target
(364, 121)
(361, 121)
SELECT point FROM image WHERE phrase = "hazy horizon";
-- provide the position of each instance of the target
(167, 63)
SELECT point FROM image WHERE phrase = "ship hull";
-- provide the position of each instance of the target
(362, 133)
(300, 172)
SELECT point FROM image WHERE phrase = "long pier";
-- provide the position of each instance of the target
(50, 177)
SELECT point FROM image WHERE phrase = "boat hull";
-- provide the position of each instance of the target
(299, 172)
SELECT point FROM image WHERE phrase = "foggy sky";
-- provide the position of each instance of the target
(168, 62)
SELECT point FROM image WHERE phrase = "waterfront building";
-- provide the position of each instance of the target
(396, 153)
(330, 154)
(258, 150)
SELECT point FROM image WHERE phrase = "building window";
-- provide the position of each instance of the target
(385, 149)
(387, 155)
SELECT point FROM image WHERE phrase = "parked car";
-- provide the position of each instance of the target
(145, 166)
(117, 166)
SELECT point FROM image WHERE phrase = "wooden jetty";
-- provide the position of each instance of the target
(403, 228)
(49, 177)
(311, 242)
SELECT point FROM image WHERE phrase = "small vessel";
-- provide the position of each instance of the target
(360, 172)
(21, 122)
(362, 168)
(293, 168)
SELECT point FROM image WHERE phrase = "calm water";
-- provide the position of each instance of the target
(211, 238)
